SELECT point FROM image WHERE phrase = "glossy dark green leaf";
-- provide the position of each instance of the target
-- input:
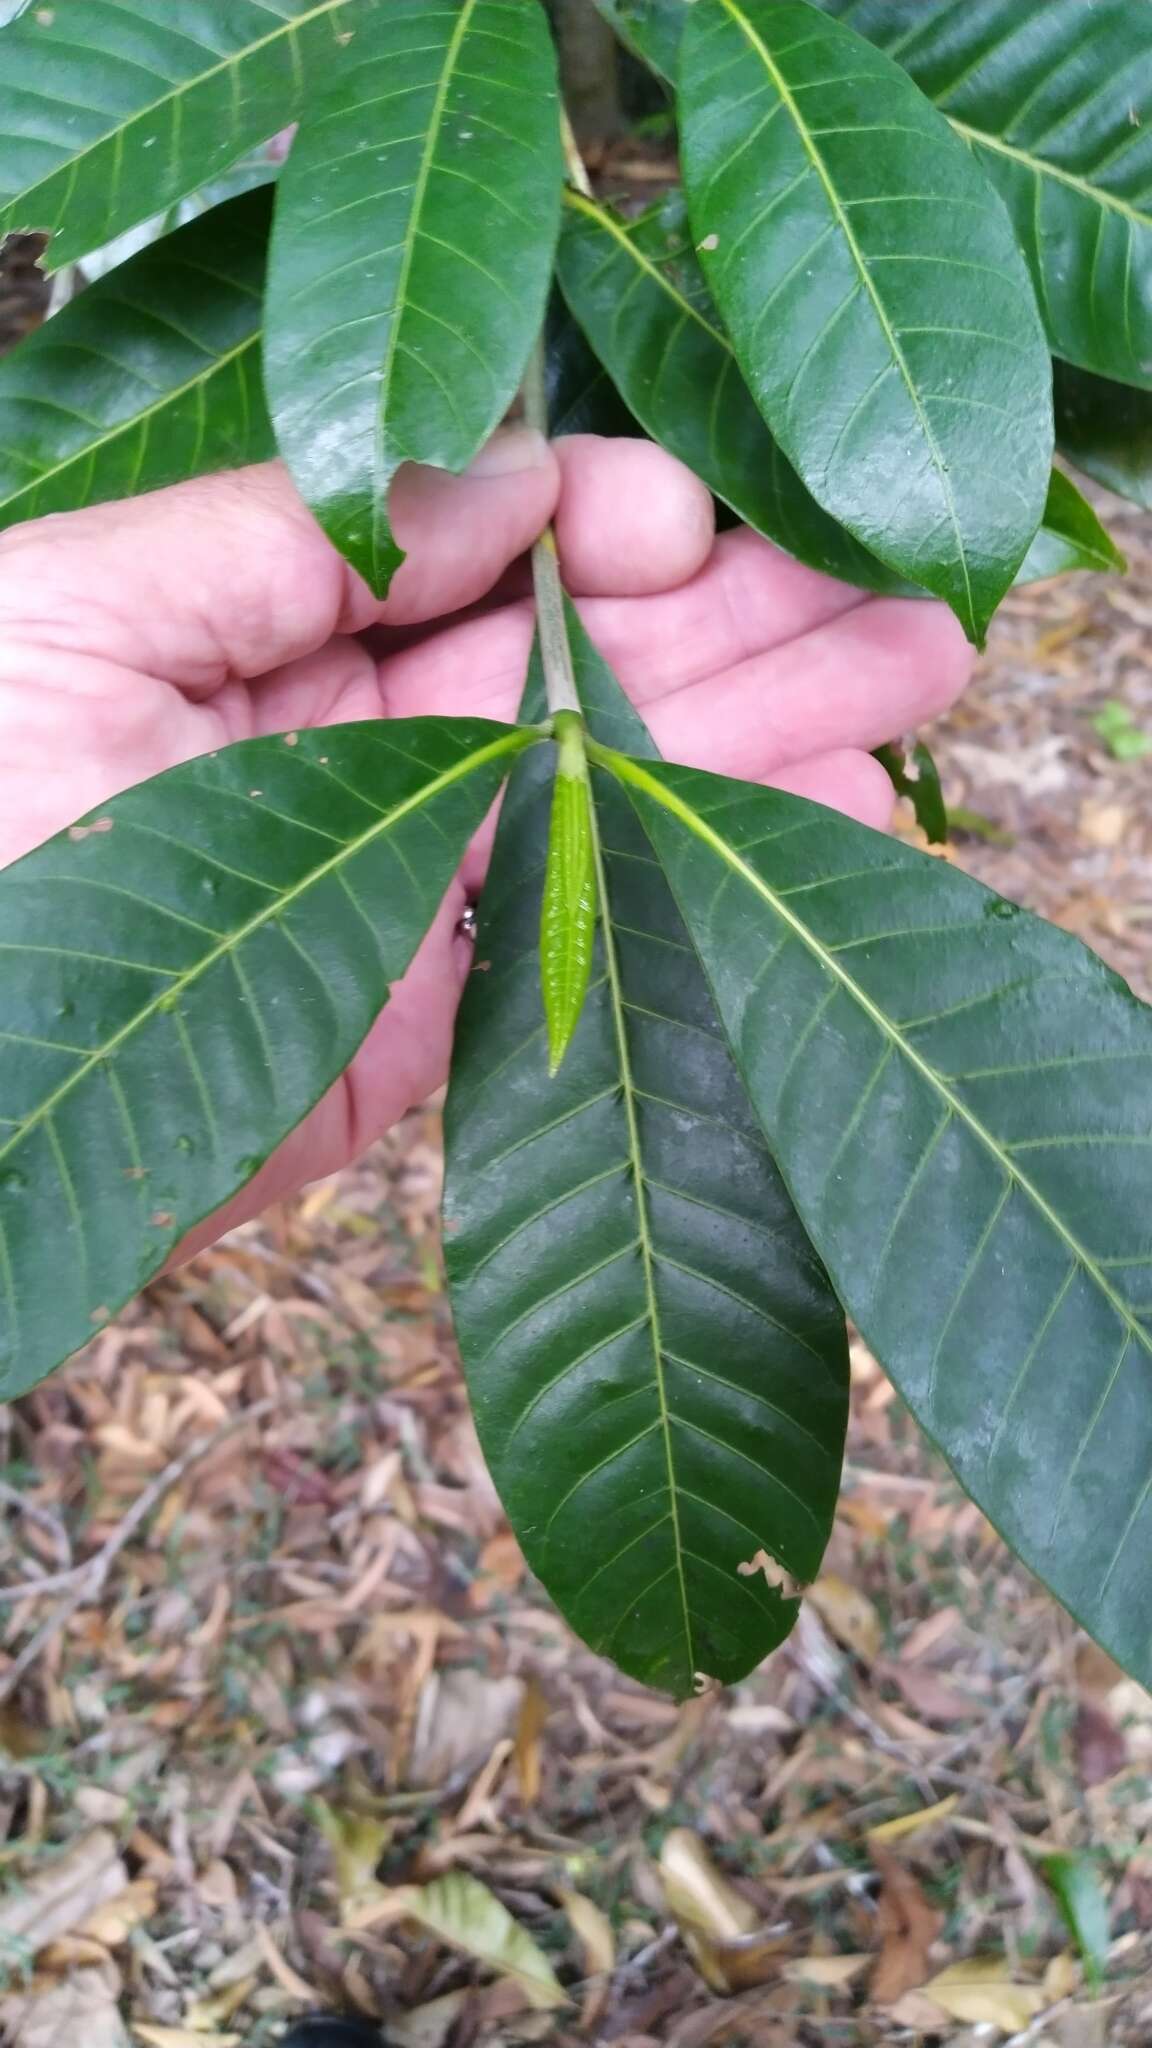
(582, 398)
(110, 110)
(960, 1098)
(149, 376)
(1106, 430)
(637, 290)
(656, 1362)
(1053, 100)
(1072, 537)
(185, 974)
(651, 29)
(913, 774)
(415, 229)
(876, 300)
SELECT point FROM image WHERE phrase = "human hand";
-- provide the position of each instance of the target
(135, 636)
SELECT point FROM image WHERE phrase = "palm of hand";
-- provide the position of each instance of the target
(137, 636)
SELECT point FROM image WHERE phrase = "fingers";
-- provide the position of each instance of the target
(631, 519)
(880, 670)
(230, 576)
(845, 780)
(747, 597)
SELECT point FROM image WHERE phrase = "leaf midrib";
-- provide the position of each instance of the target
(619, 232)
(631, 772)
(1043, 167)
(173, 98)
(452, 50)
(516, 740)
(643, 1225)
(138, 419)
(820, 167)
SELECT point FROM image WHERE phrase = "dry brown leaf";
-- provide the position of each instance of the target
(526, 1750)
(849, 1614)
(82, 2012)
(466, 1915)
(461, 1716)
(113, 1922)
(907, 1925)
(911, 1823)
(593, 1930)
(182, 2037)
(981, 1991)
(698, 1896)
(828, 1973)
(60, 1898)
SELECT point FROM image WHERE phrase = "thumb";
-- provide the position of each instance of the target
(460, 533)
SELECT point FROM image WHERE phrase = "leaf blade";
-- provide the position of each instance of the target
(676, 370)
(1071, 537)
(589, 1218)
(1049, 100)
(1106, 430)
(141, 1085)
(150, 376)
(568, 905)
(393, 333)
(868, 374)
(180, 103)
(938, 1160)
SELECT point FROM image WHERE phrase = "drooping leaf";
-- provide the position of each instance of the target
(1071, 537)
(656, 1362)
(960, 1098)
(913, 773)
(1053, 100)
(568, 905)
(112, 109)
(185, 974)
(148, 377)
(637, 291)
(876, 300)
(1106, 430)
(415, 229)
(651, 29)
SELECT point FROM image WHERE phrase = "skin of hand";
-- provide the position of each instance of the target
(134, 636)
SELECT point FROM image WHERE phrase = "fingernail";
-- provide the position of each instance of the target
(509, 452)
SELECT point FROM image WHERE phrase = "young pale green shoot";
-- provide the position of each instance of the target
(568, 909)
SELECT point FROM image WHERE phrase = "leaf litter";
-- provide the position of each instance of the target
(285, 1722)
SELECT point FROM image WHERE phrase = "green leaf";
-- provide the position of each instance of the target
(657, 1365)
(877, 302)
(1053, 101)
(1116, 726)
(568, 906)
(651, 29)
(960, 1098)
(461, 1911)
(637, 290)
(185, 974)
(1075, 1878)
(582, 398)
(113, 109)
(149, 376)
(1072, 537)
(913, 774)
(415, 229)
(1106, 430)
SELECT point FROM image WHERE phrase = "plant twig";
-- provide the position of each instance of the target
(87, 1579)
(559, 676)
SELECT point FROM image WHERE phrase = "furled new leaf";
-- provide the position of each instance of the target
(1106, 430)
(637, 291)
(415, 229)
(875, 297)
(960, 1098)
(1071, 537)
(110, 112)
(568, 906)
(656, 1361)
(148, 377)
(185, 974)
(1053, 100)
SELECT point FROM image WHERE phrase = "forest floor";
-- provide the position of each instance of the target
(270, 1663)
